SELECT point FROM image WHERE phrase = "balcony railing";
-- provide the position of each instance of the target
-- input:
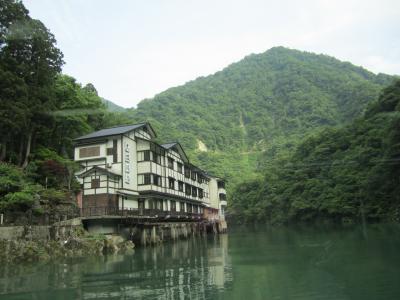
(139, 212)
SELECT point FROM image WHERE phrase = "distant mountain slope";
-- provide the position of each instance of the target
(252, 105)
(344, 174)
(111, 106)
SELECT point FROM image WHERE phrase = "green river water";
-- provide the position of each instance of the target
(247, 263)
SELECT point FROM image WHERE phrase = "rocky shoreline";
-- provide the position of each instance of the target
(73, 243)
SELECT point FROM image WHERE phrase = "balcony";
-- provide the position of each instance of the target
(140, 213)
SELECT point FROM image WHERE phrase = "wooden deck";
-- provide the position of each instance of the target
(139, 214)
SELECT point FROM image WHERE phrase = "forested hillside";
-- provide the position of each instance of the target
(342, 173)
(260, 104)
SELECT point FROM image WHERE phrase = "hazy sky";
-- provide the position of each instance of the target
(131, 50)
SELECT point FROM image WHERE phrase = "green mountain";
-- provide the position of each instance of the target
(345, 174)
(111, 106)
(260, 104)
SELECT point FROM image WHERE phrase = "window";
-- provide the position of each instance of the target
(194, 191)
(95, 183)
(195, 209)
(152, 203)
(141, 202)
(188, 189)
(171, 183)
(187, 172)
(147, 179)
(89, 151)
(221, 184)
(200, 178)
(157, 153)
(144, 179)
(146, 155)
(200, 193)
(160, 203)
(181, 206)
(193, 175)
(157, 180)
(170, 163)
(189, 208)
(222, 196)
(180, 186)
(179, 167)
(172, 206)
(113, 151)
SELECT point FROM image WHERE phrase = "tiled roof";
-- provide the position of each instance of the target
(110, 131)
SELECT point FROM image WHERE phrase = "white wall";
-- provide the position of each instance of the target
(128, 203)
(214, 197)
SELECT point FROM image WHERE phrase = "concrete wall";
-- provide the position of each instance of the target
(36, 233)
(101, 226)
(11, 232)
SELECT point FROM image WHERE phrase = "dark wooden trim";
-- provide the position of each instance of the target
(90, 142)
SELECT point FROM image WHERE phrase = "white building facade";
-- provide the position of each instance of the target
(123, 169)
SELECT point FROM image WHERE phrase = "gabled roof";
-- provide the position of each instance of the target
(177, 147)
(115, 131)
(98, 169)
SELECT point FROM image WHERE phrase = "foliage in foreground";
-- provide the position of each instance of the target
(41, 112)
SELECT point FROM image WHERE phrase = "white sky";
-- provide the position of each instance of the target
(131, 50)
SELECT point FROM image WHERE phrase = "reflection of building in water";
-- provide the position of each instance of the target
(193, 268)
(219, 271)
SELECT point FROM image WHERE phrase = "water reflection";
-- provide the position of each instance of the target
(257, 263)
(194, 268)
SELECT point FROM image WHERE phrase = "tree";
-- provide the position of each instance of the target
(29, 51)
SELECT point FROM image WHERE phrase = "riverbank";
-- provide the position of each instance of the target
(79, 237)
(18, 251)
(62, 240)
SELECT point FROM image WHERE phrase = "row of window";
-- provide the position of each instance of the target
(145, 179)
(190, 190)
(148, 155)
(174, 206)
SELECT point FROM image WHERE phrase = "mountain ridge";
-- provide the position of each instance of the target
(258, 102)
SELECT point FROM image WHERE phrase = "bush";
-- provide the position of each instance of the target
(52, 195)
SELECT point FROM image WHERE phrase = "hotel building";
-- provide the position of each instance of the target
(124, 169)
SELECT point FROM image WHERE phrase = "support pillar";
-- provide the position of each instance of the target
(153, 236)
(144, 237)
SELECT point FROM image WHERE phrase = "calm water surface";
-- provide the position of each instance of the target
(247, 263)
